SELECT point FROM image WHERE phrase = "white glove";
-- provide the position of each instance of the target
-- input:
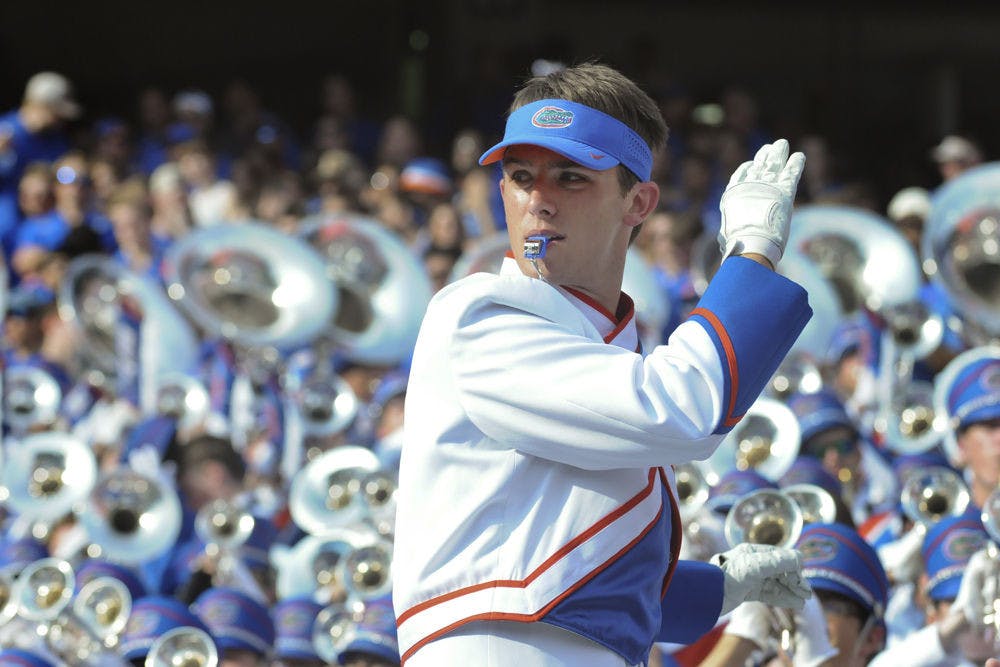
(764, 573)
(751, 621)
(978, 585)
(757, 204)
(812, 643)
(901, 558)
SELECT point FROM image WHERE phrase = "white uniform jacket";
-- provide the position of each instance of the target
(532, 447)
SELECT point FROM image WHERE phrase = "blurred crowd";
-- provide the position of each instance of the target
(247, 493)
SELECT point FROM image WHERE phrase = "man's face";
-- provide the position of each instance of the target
(845, 631)
(582, 210)
(838, 451)
(980, 447)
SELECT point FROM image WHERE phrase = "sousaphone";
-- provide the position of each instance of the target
(961, 249)
(382, 288)
(31, 398)
(251, 284)
(47, 475)
(765, 440)
(131, 331)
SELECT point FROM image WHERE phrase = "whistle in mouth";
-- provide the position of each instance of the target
(534, 247)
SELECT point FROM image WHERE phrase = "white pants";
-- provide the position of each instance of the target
(507, 643)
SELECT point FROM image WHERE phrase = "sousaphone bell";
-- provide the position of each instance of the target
(132, 517)
(765, 440)
(31, 398)
(183, 647)
(326, 494)
(381, 287)
(47, 475)
(961, 249)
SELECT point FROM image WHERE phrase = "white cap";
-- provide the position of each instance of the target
(195, 102)
(909, 202)
(954, 148)
(54, 91)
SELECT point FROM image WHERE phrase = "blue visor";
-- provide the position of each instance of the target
(586, 136)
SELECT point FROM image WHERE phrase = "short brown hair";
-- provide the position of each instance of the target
(609, 91)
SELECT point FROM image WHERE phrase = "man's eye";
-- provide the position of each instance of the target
(571, 177)
(520, 176)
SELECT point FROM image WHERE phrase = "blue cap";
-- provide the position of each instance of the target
(809, 470)
(18, 657)
(95, 567)
(178, 133)
(151, 617)
(904, 464)
(236, 620)
(157, 432)
(294, 619)
(584, 135)
(974, 394)
(734, 485)
(948, 546)
(21, 552)
(425, 175)
(391, 385)
(256, 551)
(29, 299)
(818, 412)
(836, 558)
(375, 633)
(856, 334)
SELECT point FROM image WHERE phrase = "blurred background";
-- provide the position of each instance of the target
(882, 82)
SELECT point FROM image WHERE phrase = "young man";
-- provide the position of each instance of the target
(536, 525)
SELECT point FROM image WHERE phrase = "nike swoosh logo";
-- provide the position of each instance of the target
(596, 156)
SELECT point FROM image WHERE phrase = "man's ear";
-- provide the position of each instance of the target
(641, 202)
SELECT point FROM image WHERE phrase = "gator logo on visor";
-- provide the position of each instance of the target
(816, 549)
(961, 544)
(552, 118)
(990, 379)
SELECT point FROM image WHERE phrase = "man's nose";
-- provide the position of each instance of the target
(540, 203)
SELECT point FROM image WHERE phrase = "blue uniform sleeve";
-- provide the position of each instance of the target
(753, 316)
(692, 604)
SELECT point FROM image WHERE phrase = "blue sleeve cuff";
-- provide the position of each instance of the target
(692, 604)
(753, 316)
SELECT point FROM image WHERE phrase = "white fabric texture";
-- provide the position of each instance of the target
(812, 643)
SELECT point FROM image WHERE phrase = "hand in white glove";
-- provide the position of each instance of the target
(751, 621)
(764, 573)
(812, 643)
(977, 582)
(902, 559)
(757, 204)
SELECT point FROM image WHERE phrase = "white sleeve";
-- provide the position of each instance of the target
(529, 382)
(919, 649)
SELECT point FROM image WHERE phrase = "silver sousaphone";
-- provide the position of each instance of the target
(132, 517)
(99, 295)
(32, 398)
(868, 261)
(249, 283)
(46, 475)
(961, 249)
(765, 440)
(328, 493)
(382, 288)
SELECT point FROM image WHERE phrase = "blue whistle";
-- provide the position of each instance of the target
(534, 247)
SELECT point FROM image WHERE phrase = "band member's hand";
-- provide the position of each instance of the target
(978, 583)
(901, 558)
(757, 204)
(750, 621)
(772, 575)
(812, 643)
